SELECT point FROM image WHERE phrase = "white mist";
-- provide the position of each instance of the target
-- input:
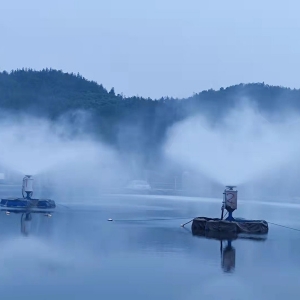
(240, 148)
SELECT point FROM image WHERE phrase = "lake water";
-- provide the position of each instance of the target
(145, 254)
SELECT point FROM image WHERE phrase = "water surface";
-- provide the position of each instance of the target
(144, 253)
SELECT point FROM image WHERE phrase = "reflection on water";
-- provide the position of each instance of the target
(228, 257)
(25, 223)
(228, 253)
(26, 218)
(78, 254)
